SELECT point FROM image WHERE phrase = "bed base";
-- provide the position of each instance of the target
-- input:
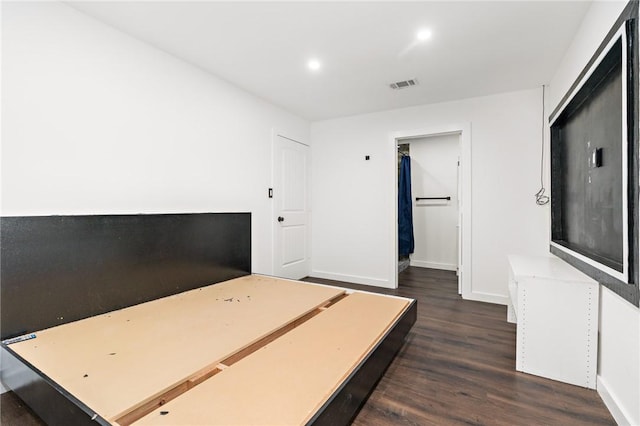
(345, 403)
(57, 406)
(47, 399)
(75, 267)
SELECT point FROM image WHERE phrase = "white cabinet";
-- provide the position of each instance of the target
(555, 307)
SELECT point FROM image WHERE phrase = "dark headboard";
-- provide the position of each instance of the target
(58, 269)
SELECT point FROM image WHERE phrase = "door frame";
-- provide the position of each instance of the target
(275, 133)
(465, 261)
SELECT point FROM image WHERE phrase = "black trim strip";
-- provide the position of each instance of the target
(633, 162)
(627, 291)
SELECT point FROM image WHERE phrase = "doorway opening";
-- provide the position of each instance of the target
(440, 163)
(434, 201)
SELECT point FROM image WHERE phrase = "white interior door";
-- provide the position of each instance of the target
(291, 212)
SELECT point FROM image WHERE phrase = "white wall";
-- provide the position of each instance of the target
(434, 173)
(596, 24)
(351, 196)
(619, 357)
(95, 121)
(619, 351)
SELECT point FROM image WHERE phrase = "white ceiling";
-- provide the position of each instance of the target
(477, 48)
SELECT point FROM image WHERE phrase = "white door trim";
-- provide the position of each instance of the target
(464, 129)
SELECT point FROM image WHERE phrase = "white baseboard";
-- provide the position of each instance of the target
(377, 282)
(3, 389)
(610, 400)
(355, 279)
(434, 265)
(478, 296)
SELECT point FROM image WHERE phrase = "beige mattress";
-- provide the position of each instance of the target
(253, 350)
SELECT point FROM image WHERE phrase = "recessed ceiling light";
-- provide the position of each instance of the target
(314, 64)
(423, 34)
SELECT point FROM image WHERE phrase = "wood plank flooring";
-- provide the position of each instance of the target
(458, 367)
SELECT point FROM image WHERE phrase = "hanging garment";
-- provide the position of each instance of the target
(405, 214)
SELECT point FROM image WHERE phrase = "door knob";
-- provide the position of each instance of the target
(280, 219)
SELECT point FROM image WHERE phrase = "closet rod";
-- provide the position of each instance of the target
(433, 198)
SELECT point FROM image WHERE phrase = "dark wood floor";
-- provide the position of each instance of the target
(458, 367)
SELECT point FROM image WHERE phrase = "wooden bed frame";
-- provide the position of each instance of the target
(236, 349)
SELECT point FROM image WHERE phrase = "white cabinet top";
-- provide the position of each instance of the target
(548, 267)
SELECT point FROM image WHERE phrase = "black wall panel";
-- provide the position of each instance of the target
(58, 269)
(588, 199)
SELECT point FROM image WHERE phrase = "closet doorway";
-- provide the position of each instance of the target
(440, 201)
(434, 199)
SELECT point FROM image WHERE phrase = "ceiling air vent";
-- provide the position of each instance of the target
(404, 84)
